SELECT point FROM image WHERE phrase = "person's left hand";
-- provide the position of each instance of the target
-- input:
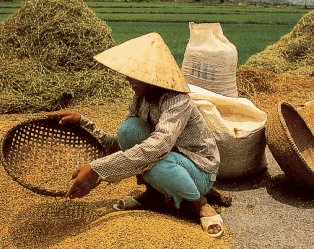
(85, 180)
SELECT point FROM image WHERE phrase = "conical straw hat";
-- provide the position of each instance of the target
(148, 59)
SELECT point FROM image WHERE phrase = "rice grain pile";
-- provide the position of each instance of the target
(38, 170)
(72, 224)
(46, 58)
(293, 53)
(29, 220)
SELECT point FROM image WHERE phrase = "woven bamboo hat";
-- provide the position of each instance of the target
(148, 59)
(291, 142)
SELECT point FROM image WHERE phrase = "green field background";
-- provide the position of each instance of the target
(251, 28)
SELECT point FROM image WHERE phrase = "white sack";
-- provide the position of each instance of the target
(210, 60)
(239, 129)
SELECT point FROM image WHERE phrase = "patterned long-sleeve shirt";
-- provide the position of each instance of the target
(177, 125)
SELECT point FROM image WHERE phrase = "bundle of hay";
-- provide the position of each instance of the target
(307, 112)
(293, 53)
(46, 58)
(265, 88)
(251, 81)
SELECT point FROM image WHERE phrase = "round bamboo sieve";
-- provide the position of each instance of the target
(41, 155)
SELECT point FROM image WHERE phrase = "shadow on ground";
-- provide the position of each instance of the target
(45, 224)
(286, 191)
(278, 186)
(241, 184)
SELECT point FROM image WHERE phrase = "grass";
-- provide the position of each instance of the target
(176, 35)
(257, 18)
(251, 28)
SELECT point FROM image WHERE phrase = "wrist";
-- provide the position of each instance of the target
(93, 173)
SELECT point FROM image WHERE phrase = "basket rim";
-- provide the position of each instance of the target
(287, 132)
(35, 189)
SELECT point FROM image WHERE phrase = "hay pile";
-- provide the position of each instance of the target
(46, 58)
(265, 88)
(283, 71)
(307, 111)
(293, 53)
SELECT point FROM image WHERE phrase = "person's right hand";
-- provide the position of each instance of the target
(65, 116)
(85, 180)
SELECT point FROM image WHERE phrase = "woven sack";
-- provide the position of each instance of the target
(41, 155)
(291, 142)
(210, 59)
(239, 129)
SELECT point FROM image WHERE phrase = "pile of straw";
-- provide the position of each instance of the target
(307, 111)
(293, 53)
(253, 80)
(46, 59)
(283, 71)
(265, 88)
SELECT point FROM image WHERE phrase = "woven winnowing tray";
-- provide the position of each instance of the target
(41, 155)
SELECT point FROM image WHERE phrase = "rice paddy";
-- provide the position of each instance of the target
(265, 24)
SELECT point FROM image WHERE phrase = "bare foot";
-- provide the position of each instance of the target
(205, 210)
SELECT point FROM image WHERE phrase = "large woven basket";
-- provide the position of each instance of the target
(41, 155)
(291, 141)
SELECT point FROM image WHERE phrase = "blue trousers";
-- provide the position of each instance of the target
(175, 176)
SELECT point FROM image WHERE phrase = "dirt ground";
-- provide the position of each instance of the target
(268, 210)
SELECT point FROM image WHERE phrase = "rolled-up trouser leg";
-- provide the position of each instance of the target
(177, 177)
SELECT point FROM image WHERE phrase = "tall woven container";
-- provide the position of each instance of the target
(291, 142)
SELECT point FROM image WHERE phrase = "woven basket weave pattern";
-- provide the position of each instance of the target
(42, 137)
(288, 137)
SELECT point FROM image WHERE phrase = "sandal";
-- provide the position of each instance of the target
(212, 220)
(127, 203)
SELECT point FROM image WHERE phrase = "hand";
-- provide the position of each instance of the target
(85, 180)
(66, 116)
